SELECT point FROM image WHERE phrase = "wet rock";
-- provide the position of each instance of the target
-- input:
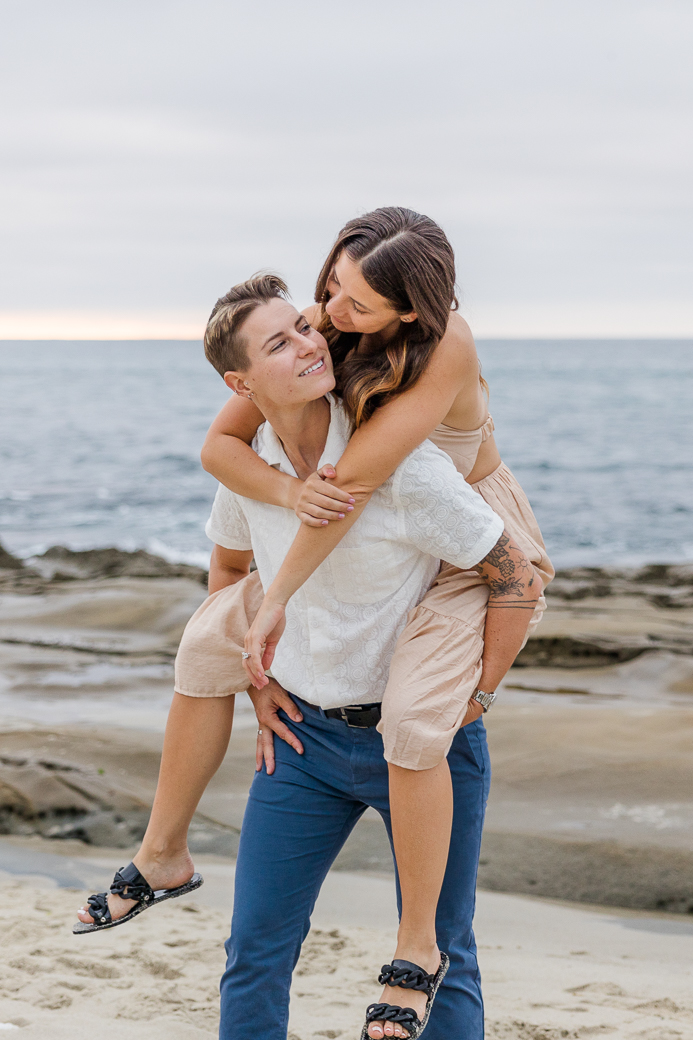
(43, 796)
(61, 564)
(104, 827)
(662, 584)
(9, 562)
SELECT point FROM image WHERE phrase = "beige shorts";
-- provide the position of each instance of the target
(208, 662)
(437, 660)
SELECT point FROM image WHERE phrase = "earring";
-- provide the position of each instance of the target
(251, 396)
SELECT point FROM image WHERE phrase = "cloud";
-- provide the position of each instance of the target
(152, 154)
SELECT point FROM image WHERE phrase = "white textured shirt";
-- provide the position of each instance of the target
(342, 624)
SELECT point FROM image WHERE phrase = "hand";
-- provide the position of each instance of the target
(474, 711)
(318, 502)
(268, 703)
(261, 640)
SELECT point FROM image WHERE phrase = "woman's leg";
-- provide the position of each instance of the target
(434, 671)
(208, 672)
(195, 742)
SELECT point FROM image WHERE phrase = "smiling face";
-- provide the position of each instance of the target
(354, 307)
(289, 361)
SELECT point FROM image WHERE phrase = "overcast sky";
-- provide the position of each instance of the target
(153, 153)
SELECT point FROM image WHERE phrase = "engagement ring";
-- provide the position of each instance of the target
(245, 655)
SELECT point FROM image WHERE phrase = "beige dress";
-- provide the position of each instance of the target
(437, 660)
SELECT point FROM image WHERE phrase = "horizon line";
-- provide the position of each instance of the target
(479, 337)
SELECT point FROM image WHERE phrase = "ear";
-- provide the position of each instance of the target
(411, 316)
(236, 382)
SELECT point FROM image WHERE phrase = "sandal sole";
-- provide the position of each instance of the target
(159, 897)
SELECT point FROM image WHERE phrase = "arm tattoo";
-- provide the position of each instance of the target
(508, 579)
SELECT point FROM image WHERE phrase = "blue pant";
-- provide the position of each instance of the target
(295, 823)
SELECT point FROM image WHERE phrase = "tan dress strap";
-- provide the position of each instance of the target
(462, 445)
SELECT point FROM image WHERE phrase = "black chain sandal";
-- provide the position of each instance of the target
(128, 883)
(408, 976)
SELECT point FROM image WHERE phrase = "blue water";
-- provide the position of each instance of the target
(99, 444)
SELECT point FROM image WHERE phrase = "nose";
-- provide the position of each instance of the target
(333, 305)
(306, 347)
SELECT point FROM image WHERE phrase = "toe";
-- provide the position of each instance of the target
(389, 1029)
(84, 915)
(375, 1030)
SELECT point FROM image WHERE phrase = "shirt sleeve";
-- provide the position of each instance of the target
(443, 516)
(228, 524)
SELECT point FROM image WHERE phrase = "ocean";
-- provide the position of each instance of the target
(99, 445)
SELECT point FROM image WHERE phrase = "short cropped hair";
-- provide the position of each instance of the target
(225, 348)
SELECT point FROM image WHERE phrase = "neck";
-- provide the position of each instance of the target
(302, 429)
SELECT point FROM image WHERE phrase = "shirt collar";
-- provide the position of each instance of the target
(268, 446)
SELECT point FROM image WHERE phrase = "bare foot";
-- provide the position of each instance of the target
(161, 872)
(427, 958)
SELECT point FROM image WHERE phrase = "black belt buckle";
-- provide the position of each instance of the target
(367, 715)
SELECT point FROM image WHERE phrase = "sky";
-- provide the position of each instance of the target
(153, 154)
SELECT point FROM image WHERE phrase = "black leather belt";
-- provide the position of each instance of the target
(357, 716)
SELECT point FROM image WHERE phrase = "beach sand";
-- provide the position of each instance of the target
(549, 970)
(591, 802)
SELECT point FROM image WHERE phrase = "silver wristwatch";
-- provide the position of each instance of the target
(484, 699)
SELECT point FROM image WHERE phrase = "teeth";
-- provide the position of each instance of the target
(318, 364)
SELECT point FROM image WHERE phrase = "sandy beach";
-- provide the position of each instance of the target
(586, 872)
(550, 970)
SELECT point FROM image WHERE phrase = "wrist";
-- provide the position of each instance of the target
(276, 597)
(292, 490)
(484, 697)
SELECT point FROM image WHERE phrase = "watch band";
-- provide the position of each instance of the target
(484, 699)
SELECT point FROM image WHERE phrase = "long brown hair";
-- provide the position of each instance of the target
(405, 257)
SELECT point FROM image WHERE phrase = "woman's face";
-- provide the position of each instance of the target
(290, 362)
(354, 307)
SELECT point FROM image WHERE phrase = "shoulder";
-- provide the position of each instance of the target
(311, 313)
(457, 348)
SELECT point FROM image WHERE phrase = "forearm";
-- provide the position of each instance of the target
(514, 591)
(505, 632)
(235, 464)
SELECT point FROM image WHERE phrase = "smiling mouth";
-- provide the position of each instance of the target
(313, 368)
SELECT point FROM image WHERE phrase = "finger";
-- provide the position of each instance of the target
(284, 702)
(266, 740)
(254, 675)
(327, 508)
(328, 472)
(285, 734)
(329, 495)
(322, 513)
(253, 664)
(310, 521)
(268, 654)
(258, 754)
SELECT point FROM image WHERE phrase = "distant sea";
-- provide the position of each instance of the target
(99, 444)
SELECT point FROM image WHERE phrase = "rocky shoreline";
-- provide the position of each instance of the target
(592, 797)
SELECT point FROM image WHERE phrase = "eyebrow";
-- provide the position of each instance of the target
(276, 335)
(361, 305)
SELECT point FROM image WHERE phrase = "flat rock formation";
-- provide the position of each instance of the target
(592, 793)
